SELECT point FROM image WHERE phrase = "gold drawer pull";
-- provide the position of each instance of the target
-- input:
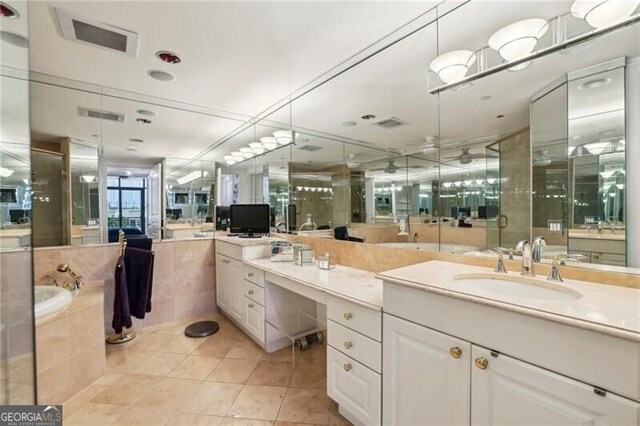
(348, 345)
(348, 316)
(455, 352)
(250, 305)
(348, 367)
(250, 292)
(482, 363)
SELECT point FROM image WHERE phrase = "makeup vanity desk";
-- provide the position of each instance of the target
(252, 289)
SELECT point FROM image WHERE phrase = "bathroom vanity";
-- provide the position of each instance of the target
(550, 353)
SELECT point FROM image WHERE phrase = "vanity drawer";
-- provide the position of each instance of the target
(253, 292)
(356, 317)
(233, 251)
(253, 274)
(357, 346)
(356, 388)
(253, 319)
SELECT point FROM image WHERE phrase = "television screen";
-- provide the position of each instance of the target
(201, 198)
(174, 214)
(19, 215)
(249, 219)
(8, 195)
(181, 198)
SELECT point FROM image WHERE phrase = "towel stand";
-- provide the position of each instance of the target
(123, 336)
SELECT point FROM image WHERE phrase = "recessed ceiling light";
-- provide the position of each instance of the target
(594, 84)
(350, 123)
(7, 11)
(500, 116)
(135, 140)
(368, 117)
(132, 147)
(147, 113)
(143, 121)
(168, 57)
(14, 39)
(161, 75)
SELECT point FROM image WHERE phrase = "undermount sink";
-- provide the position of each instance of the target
(515, 286)
(50, 300)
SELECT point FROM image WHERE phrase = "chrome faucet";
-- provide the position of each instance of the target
(600, 228)
(500, 269)
(77, 279)
(538, 244)
(554, 275)
(527, 261)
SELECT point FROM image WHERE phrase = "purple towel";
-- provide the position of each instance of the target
(121, 312)
(139, 272)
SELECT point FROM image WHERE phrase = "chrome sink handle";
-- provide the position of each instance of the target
(500, 269)
(554, 275)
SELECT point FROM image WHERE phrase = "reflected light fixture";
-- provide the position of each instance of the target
(284, 137)
(88, 178)
(257, 148)
(230, 160)
(603, 13)
(268, 142)
(4, 172)
(237, 155)
(246, 152)
(191, 177)
(518, 40)
(453, 66)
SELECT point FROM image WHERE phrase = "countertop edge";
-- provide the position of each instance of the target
(574, 322)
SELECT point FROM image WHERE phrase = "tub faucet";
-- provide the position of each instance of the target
(416, 237)
(527, 261)
(538, 245)
(77, 279)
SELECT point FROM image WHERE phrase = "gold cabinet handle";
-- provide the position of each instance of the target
(482, 363)
(348, 315)
(348, 367)
(455, 352)
(250, 274)
(250, 292)
(348, 345)
(250, 305)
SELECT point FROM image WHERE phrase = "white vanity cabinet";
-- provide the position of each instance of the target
(239, 287)
(354, 360)
(426, 375)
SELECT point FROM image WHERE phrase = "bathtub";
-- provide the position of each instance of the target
(443, 248)
(50, 300)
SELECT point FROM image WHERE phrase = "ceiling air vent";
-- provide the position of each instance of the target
(103, 115)
(309, 148)
(107, 36)
(390, 123)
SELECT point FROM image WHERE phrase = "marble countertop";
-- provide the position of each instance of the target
(14, 232)
(354, 285)
(603, 308)
(606, 235)
(244, 241)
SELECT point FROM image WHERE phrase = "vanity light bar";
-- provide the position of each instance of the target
(279, 139)
(191, 177)
(531, 31)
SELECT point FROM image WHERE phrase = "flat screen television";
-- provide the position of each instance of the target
(19, 215)
(174, 214)
(249, 220)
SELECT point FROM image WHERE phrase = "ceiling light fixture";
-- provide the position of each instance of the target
(161, 75)
(168, 57)
(453, 66)
(594, 84)
(88, 178)
(349, 124)
(230, 160)
(257, 148)
(7, 11)
(602, 13)
(246, 152)
(143, 121)
(135, 140)
(4, 172)
(352, 161)
(191, 177)
(269, 142)
(237, 155)
(285, 137)
(517, 40)
(147, 113)
(368, 117)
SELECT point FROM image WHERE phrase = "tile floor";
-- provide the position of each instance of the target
(164, 378)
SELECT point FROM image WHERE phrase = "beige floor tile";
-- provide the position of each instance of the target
(232, 370)
(127, 389)
(123, 359)
(229, 331)
(229, 421)
(107, 379)
(195, 367)
(158, 364)
(283, 354)
(170, 394)
(308, 375)
(153, 342)
(23, 376)
(269, 373)
(215, 347)
(290, 424)
(258, 402)
(212, 398)
(173, 329)
(96, 414)
(187, 419)
(246, 350)
(305, 406)
(316, 354)
(181, 345)
(71, 405)
(143, 416)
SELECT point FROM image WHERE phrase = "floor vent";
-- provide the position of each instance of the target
(309, 148)
(107, 36)
(390, 123)
(103, 115)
